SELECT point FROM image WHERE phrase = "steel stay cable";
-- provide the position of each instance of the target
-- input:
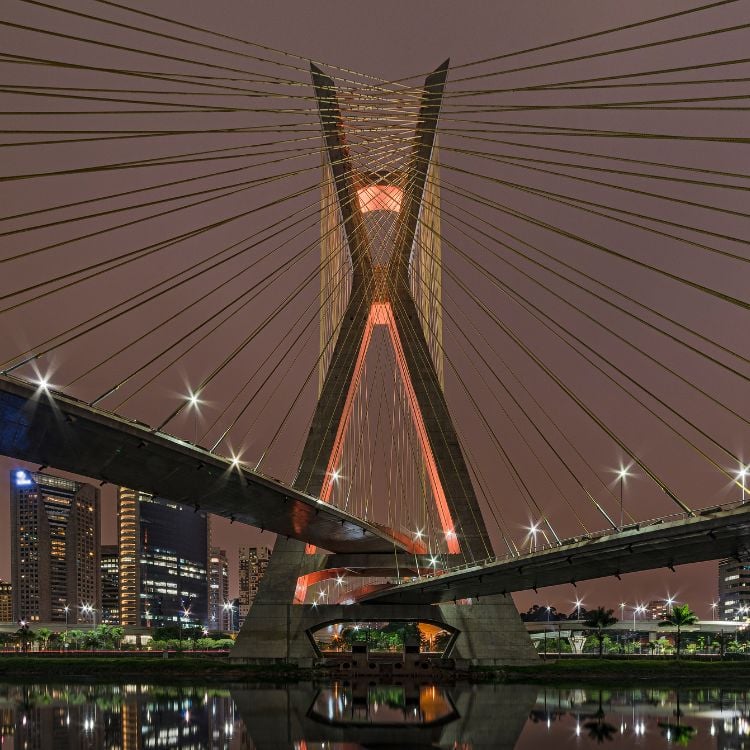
(514, 473)
(198, 391)
(525, 413)
(131, 256)
(216, 288)
(34, 353)
(498, 156)
(573, 83)
(258, 329)
(641, 264)
(315, 303)
(606, 53)
(282, 376)
(171, 37)
(261, 181)
(246, 42)
(572, 132)
(408, 322)
(611, 157)
(512, 335)
(315, 366)
(429, 363)
(306, 152)
(593, 35)
(134, 255)
(613, 186)
(601, 299)
(526, 304)
(491, 204)
(479, 412)
(573, 200)
(84, 217)
(172, 346)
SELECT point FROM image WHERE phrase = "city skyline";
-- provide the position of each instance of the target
(689, 584)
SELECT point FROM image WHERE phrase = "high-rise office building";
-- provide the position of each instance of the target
(110, 571)
(163, 561)
(6, 601)
(55, 547)
(253, 564)
(219, 617)
(734, 589)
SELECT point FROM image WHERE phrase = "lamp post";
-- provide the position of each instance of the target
(741, 476)
(713, 609)
(621, 474)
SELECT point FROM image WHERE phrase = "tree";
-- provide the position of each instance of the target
(75, 637)
(681, 616)
(42, 637)
(599, 619)
(25, 637)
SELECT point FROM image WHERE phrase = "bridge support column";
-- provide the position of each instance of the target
(490, 632)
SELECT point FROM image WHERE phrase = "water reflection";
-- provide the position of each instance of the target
(368, 715)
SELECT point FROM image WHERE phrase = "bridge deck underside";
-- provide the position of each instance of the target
(708, 536)
(69, 435)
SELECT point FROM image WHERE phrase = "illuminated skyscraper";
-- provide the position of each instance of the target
(163, 561)
(253, 564)
(219, 617)
(55, 547)
(734, 589)
(6, 601)
(110, 571)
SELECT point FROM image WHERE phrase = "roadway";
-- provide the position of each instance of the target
(710, 534)
(52, 429)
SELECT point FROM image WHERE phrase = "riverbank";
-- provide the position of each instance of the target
(624, 672)
(219, 670)
(174, 670)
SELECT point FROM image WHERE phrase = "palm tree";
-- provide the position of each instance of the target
(42, 637)
(681, 616)
(599, 619)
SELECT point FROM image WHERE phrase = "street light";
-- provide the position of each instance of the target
(578, 607)
(533, 529)
(195, 402)
(741, 476)
(621, 474)
(713, 609)
(622, 610)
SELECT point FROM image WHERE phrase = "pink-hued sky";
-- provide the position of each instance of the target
(391, 40)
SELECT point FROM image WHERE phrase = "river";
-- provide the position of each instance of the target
(367, 715)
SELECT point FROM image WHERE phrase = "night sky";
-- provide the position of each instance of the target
(394, 40)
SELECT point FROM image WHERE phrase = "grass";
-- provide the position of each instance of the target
(187, 669)
(626, 671)
(173, 670)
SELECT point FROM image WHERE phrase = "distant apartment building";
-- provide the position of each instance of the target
(6, 601)
(110, 572)
(657, 609)
(734, 589)
(163, 561)
(252, 566)
(54, 547)
(219, 616)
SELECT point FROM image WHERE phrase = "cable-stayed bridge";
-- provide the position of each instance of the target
(500, 305)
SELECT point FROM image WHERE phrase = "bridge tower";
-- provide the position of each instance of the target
(381, 292)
